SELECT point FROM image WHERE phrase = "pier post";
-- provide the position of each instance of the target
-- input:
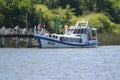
(17, 42)
(3, 41)
(3, 30)
(29, 42)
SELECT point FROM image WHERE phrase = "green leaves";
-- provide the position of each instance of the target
(25, 5)
(12, 12)
(1, 19)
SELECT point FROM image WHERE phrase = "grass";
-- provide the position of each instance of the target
(109, 39)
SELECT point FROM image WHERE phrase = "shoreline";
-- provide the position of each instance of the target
(56, 48)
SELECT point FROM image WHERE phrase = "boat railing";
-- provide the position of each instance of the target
(41, 31)
(82, 22)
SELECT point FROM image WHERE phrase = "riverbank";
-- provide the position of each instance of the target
(104, 39)
(109, 39)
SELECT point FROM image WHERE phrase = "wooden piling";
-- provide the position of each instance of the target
(17, 42)
(3, 42)
(29, 42)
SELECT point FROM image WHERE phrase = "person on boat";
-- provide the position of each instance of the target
(39, 27)
(66, 27)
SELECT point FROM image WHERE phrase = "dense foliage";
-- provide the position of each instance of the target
(102, 13)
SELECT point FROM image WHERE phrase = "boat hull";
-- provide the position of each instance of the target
(45, 42)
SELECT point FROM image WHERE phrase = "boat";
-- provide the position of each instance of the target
(80, 35)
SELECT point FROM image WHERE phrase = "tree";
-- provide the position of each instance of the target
(51, 3)
(2, 6)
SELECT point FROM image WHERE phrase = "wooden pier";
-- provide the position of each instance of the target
(17, 36)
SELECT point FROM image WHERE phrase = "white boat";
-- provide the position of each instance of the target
(80, 35)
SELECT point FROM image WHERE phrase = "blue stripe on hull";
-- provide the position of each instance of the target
(71, 44)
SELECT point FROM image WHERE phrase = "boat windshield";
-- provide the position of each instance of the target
(70, 31)
(77, 31)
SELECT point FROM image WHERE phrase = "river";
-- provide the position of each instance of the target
(101, 63)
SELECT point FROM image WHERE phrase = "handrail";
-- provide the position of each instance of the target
(83, 21)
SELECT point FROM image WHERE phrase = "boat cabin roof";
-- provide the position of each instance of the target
(67, 36)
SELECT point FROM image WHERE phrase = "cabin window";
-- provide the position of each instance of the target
(49, 35)
(85, 31)
(61, 38)
(89, 34)
(75, 31)
(82, 31)
(77, 40)
(80, 40)
(55, 37)
(70, 31)
(78, 31)
(93, 35)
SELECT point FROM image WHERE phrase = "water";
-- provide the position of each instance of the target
(101, 63)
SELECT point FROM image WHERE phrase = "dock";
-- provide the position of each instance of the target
(16, 36)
